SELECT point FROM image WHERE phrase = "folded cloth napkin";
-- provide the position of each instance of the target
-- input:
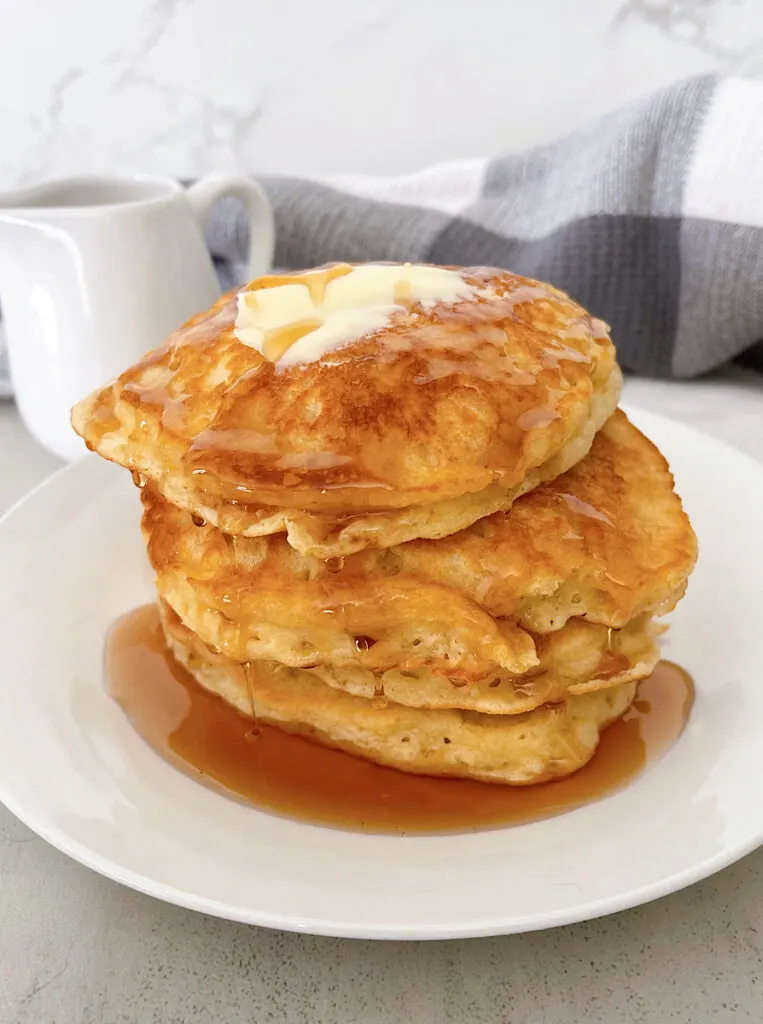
(651, 217)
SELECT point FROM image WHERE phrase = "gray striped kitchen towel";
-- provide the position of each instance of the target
(651, 217)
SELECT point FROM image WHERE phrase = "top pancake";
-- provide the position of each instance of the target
(450, 410)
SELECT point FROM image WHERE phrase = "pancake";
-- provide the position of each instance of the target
(444, 414)
(606, 543)
(544, 744)
(579, 658)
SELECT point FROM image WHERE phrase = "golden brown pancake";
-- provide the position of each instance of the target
(417, 429)
(605, 544)
(578, 658)
(544, 744)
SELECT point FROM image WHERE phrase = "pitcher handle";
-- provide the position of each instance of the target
(210, 189)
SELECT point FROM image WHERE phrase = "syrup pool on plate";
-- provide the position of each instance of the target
(289, 775)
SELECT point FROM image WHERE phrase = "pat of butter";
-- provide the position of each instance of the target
(299, 318)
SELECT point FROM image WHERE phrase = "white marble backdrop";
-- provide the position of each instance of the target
(381, 86)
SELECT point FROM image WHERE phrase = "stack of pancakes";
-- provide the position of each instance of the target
(438, 546)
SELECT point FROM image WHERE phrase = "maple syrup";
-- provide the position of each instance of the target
(273, 770)
(316, 281)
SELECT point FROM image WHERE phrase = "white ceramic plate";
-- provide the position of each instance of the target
(72, 768)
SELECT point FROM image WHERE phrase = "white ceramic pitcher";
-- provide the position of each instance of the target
(95, 271)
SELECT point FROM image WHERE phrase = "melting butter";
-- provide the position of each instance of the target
(299, 318)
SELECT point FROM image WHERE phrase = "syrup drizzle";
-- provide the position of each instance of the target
(276, 771)
(254, 727)
(279, 340)
(316, 281)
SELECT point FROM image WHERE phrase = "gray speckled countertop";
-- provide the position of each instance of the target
(78, 949)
